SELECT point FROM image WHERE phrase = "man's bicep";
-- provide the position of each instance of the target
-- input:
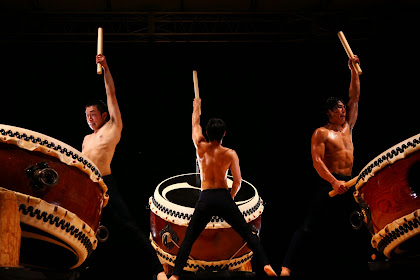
(197, 135)
(318, 145)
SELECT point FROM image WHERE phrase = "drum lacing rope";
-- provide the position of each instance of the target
(78, 234)
(208, 265)
(185, 216)
(41, 142)
(169, 239)
(389, 155)
(397, 232)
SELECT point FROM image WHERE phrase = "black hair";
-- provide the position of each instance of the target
(215, 129)
(330, 104)
(100, 105)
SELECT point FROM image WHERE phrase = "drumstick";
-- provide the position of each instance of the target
(349, 52)
(196, 91)
(347, 184)
(100, 48)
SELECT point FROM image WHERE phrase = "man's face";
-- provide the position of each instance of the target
(94, 118)
(338, 114)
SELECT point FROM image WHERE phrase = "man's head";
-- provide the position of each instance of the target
(96, 114)
(216, 129)
(335, 110)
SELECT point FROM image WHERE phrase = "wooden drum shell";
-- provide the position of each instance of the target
(387, 191)
(211, 245)
(74, 190)
(389, 194)
(219, 246)
(60, 196)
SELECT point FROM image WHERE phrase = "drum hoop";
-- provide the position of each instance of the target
(396, 232)
(35, 141)
(59, 222)
(194, 265)
(388, 157)
(181, 215)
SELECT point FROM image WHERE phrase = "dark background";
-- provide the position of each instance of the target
(269, 92)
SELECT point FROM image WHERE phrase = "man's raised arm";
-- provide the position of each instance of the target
(197, 132)
(113, 108)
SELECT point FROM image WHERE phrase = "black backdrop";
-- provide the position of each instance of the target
(268, 94)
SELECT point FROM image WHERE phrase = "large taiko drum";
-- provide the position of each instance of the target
(60, 196)
(387, 191)
(219, 246)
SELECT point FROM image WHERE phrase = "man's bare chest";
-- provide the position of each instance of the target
(338, 141)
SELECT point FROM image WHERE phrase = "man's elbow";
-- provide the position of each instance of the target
(237, 181)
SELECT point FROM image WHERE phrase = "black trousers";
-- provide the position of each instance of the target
(127, 250)
(325, 216)
(217, 202)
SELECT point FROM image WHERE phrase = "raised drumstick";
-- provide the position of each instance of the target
(100, 48)
(347, 184)
(349, 52)
(196, 91)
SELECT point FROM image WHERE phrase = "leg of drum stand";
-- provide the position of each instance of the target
(10, 232)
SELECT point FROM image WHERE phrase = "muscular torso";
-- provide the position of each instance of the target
(100, 147)
(338, 156)
(214, 164)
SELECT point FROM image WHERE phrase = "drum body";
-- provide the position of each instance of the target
(60, 197)
(218, 246)
(387, 191)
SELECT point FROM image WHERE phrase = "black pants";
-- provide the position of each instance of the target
(325, 216)
(217, 202)
(128, 250)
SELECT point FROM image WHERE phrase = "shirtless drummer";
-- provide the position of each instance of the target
(215, 198)
(332, 156)
(100, 147)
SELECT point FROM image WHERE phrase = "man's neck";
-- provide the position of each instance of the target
(336, 127)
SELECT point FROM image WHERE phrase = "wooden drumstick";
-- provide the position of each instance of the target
(100, 48)
(349, 52)
(196, 91)
(348, 184)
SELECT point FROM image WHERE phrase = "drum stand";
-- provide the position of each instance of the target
(10, 237)
(10, 232)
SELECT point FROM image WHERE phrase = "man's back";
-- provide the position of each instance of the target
(215, 161)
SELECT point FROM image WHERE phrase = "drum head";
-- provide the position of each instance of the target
(175, 198)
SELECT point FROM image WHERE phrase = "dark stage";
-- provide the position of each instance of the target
(268, 87)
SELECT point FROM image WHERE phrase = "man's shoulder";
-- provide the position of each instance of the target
(87, 136)
(230, 151)
(320, 134)
(321, 130)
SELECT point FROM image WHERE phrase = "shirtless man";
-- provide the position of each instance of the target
(332, 157)
(100, 145)
(100, 148)
(332, 144)
(215, 198)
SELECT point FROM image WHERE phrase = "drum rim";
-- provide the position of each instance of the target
(166, 209)
(59, 222)
(396, 232)
(35, 141)
(194, 265)
(388, 157)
